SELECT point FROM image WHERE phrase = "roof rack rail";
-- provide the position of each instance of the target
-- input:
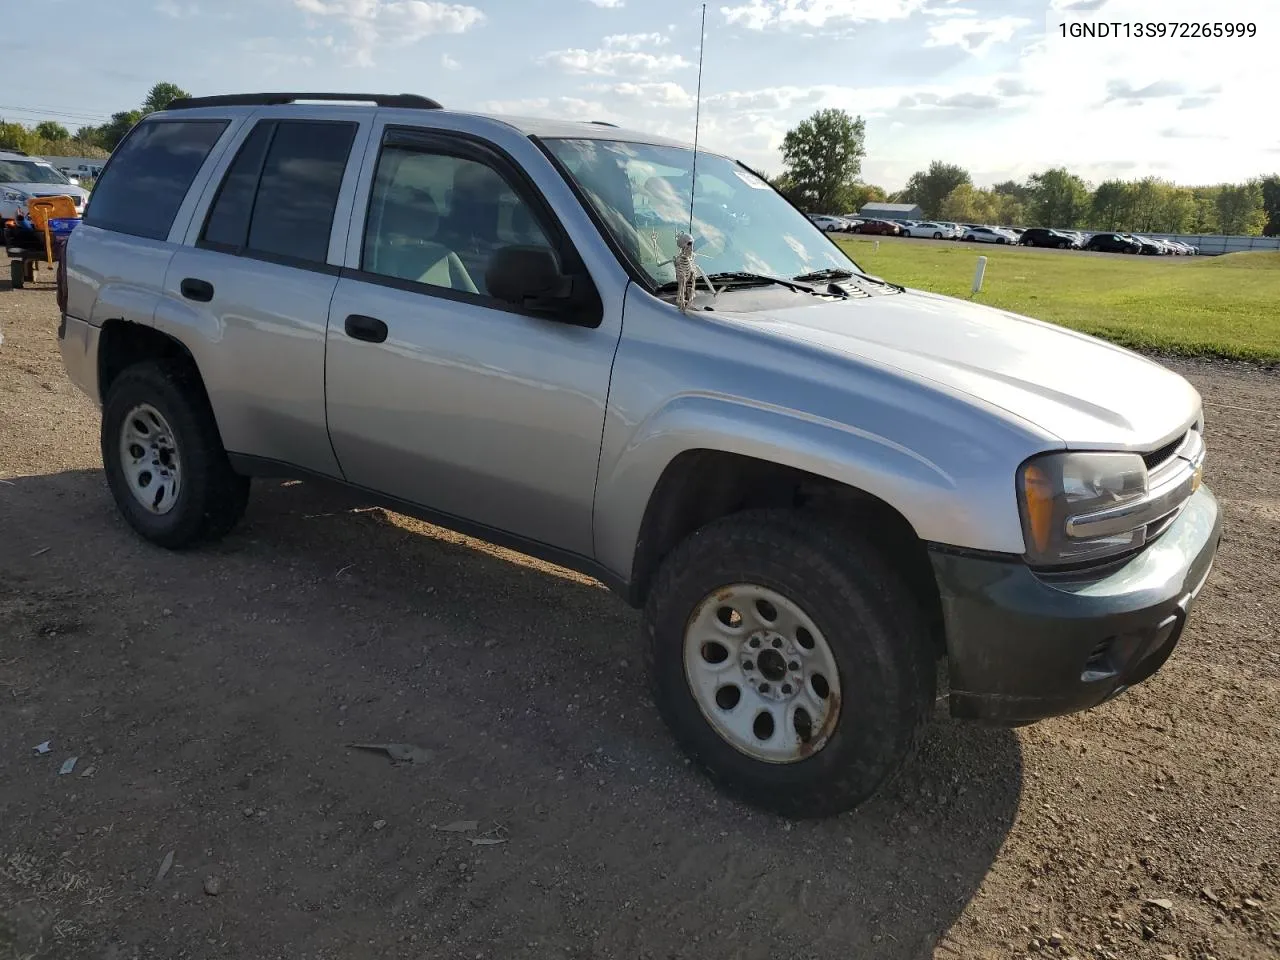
(15, 152)
(406, 100)
(602, 123)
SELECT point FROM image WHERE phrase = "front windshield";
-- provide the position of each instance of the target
(27, 171)
(740, 223)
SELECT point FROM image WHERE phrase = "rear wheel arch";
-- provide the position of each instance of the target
(123, 343)
(700, 486)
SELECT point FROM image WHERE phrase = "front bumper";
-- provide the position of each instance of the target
(1022, 647)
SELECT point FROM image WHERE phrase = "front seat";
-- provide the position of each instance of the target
(402, 250)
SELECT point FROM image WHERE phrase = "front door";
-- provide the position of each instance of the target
(441, 395)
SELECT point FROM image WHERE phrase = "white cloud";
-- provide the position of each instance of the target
(614, 62)
(759, 14)
(449, 63)
(374, 22)
(555, 108)
(659, 94)
(171, 8)
(974, 34)
(634, 41)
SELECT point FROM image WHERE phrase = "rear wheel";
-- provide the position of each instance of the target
(164, 460)
(788, 660)
(937, 235)
(1062, 244)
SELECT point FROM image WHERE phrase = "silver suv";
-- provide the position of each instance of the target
(816, 484)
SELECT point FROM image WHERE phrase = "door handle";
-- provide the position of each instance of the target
(193, 289)
(369, 329)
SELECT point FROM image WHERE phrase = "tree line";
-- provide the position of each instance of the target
(50, 138)
(822, 167)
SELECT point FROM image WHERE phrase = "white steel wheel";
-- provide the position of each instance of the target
(762, 673)
(149, 459)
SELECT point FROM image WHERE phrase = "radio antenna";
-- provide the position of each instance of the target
(697, 116)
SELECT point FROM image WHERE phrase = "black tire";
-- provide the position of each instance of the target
(17, 274)
(937, 235)
(883, 655)
(1062, 244)
(213, 497)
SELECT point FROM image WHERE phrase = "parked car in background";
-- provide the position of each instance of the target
(990, 235)
(23, 178)
(1044, 237)
(1112, 243)
(882, 228)
(1147, 247)
(829, 223)
(927, 228)
(951, 231)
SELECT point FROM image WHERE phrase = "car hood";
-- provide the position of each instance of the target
(1081, 390)
(47, 189)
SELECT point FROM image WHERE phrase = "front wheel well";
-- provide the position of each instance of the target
(700, 486)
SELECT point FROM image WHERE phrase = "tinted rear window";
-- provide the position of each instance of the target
(293, 214)
(149, 175)
(228, 224)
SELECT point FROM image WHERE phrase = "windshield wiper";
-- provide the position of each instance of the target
(742, 277)
(838, 274)
(828, 274)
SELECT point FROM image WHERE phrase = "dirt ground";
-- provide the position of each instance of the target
(210, 698)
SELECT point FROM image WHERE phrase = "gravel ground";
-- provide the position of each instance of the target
(216, 809)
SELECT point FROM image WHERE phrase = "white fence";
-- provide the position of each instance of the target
(1213, 244)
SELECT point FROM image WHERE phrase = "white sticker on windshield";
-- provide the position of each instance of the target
(751, 180)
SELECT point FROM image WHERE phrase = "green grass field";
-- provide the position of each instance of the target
(1225, 306)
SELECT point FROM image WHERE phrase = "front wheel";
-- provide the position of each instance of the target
(937, 236)
(789, 661)
(164, 460)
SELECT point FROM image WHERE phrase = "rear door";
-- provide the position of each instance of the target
(460, 403)
(257, 274)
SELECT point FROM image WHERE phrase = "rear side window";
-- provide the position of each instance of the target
(149, 175)
(278, 198)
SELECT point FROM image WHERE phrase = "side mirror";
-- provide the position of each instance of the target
(529, 277)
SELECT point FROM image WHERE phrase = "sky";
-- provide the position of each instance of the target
(989, 84)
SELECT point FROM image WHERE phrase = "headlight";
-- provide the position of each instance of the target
(15, 196)
(1057, 488)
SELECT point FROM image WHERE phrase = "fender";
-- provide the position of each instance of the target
(846, 454)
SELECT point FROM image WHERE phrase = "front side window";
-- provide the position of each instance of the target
(278, 198)
(740, 223)
(437, 219)
(149, 175)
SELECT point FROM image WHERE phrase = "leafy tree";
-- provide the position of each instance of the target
(1178, 211)
(1111, 204)
(967, 204)
(929, 188)
(1057, 198)
(860, 194)
(161, 95)
(1271, 205)
(110, 134)
(1011, 188)
(1204, 219)
(1006, 209)
(49, 130)
(1240, 209)
(14, 136)
(823, 158)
